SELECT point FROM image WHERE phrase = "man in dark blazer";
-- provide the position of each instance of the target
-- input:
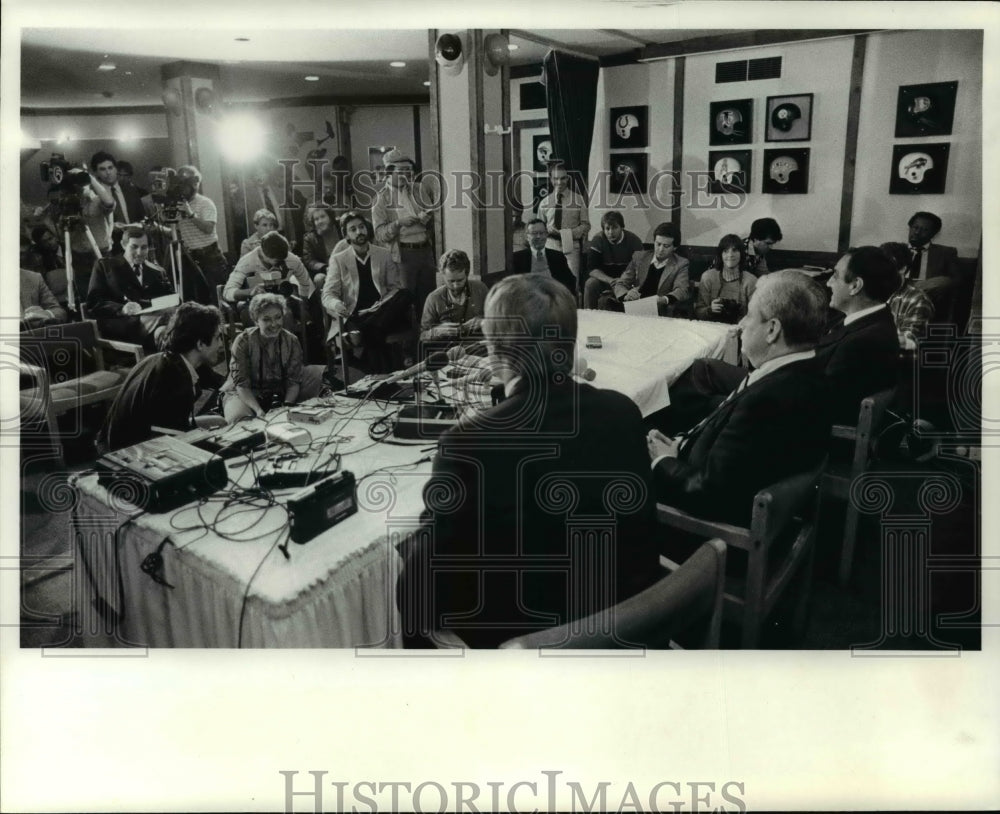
(860, 355)
(934, 268)
(775, 424)
(536, 258)
(536, 513)
(121, 286)
(161, 390)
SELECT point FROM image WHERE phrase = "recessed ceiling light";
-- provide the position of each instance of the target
(242, 39)
(107, 66)
(397, 64)
(311, 78)
(427, 84)
(512, 46)
(128, 73)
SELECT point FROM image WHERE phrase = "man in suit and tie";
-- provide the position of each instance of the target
(538, 259)
(363, 288)
(538, 510)
(563, 209)
(121, 286)
(128, 198)
(161, 391)
(774, 424)
(933, 267)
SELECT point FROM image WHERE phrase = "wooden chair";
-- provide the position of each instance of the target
(64, 368)
(128, 348)
(689, 599)
(837, 479)
(782, 516)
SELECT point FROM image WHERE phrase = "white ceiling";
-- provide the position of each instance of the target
(59, 65)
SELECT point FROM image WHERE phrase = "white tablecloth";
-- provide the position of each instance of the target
(337, 590)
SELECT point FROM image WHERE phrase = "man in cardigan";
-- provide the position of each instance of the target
(774, 424)
(363, 288)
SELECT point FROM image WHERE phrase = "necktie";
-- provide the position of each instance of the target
(557, 212)
(913, 268)
(697, 428)
(121, 209)
(540, 255)
(138, 273)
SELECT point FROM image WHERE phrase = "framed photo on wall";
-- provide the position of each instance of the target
(730, 122)
(789, 117)
(786, 172)
(531, 95)
(925, 110)
(541, 144)
(919, 169)
(730, 170)
(629, 173)
(629, 127)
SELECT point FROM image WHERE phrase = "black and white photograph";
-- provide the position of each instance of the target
(629, 126)
(629, 173)
(731, 170)
(730, 122)
(785, 172)
(919, 169)
(925, 110)
(357, 456)
(789, 118)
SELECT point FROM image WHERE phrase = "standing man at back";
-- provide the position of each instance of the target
(565, 215)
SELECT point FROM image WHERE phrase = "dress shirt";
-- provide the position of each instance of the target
(925, 251)
(862, 313)
(539, 262)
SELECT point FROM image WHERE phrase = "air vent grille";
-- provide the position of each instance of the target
(744, 70)
(731, 71)
(769, 68)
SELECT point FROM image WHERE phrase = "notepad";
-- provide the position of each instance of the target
(642, 307)
(160, 303)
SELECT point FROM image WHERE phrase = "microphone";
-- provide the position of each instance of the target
(582, 371)
(456, 352)
(434, 361)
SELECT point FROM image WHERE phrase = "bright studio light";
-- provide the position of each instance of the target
(241, 137)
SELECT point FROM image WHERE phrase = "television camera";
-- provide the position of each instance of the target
(169, 191)
(66, 186)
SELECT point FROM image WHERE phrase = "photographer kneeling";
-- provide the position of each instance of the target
(265, 369)
(724, 289)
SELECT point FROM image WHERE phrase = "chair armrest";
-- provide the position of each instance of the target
(38, 375)
(125, 347)
(675, 518)
(844, 431)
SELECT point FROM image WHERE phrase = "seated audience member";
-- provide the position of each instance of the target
(319, 242)
(265, 367)
(162, 389)
(764, 233)
(45, 256)
(609, 255)
(661, 273)
(38, 305)
(274, 267)
(724, 290)
(264, 221)
(537, 259)
(363, 288)
(123, 285)
(454, 311)
(911, 308)
(933, 267)
(500, 554)
(775, 424)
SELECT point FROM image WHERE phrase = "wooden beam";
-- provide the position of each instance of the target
(851, 142)
(745, 39)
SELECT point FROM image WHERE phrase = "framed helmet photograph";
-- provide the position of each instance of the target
(789, 118)
(730, 171)
(629, 127)
(925, 110)
(919, 169)
(730, 122)
(785, 172)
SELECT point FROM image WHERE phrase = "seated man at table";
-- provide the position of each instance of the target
(162, 389)
(610, 252)
(775, 424)
(454, 311)
(505, 549)
(859, 354)
(537, 259)
(661, 273)
(121, 286)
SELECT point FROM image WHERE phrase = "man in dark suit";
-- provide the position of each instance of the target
(934, 267)
(161, 390)
(775, 424)
(536, 513)
(860, 355)
(539, 260)
(122, 286)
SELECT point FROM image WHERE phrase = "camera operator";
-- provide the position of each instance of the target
(196, 229)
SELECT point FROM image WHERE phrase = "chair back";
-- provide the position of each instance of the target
(652, 618)
(67, 351)
(781, 504)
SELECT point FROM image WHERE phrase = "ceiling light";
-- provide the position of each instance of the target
(512, 46)
(427, 84)
(241, 137)
(397, 64)
(311, 78)
(128, 73)
(107, 65)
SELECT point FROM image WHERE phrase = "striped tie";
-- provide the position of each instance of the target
(697, 428)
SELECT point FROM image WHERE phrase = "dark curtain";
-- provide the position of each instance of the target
(571, 97)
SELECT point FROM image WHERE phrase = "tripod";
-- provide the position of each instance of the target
(71, 292)
(176, 255)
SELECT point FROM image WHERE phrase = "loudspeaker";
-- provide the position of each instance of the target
(449, 53)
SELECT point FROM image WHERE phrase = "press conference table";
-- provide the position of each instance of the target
(232, 586)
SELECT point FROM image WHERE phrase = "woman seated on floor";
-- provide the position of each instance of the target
(724, 289)
(265, 368)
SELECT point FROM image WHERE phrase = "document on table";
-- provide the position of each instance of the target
(642, 307)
